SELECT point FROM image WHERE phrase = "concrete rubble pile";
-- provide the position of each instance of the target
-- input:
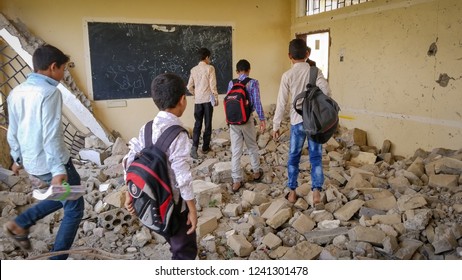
(376, 205)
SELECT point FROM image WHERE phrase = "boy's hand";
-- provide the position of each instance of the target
(129, 204)
(58, 179)
(262, 126)
(192, 216)
(15, 168)
(216, 102)
(275, 135)
(192, 220)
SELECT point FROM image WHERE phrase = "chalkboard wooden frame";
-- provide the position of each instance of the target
(125, 57)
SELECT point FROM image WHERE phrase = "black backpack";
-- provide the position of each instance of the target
(237, 103)
(319, 111)
(149, 183)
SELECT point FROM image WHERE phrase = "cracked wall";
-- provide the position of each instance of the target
(400, 78)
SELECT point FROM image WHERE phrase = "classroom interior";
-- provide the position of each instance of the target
(394, 66)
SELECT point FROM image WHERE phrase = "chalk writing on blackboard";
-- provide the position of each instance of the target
(126, 57)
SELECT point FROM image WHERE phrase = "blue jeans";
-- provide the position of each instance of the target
(73, 213)
(297, 139)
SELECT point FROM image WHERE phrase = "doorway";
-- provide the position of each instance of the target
(319, 43)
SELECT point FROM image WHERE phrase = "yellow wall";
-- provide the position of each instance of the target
(260, 34)
(387, 82)
(385, 85)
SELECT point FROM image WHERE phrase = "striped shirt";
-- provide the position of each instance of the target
(253, 88)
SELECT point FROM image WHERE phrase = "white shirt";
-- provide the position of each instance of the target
(202, 83)
(178, 154)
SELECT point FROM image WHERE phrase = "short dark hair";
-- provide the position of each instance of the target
(202, 53)
(45, 55)
(167, 90)
(242, 65)
(298, 48)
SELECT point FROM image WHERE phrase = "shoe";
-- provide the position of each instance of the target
(21, 240)
(194, 154)
(204, 151)
(258, 175)
(237, 186)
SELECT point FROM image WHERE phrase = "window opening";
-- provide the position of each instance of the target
(319, 6)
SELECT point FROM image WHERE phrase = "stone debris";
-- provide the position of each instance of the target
(377, 205)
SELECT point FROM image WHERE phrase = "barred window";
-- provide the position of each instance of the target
(318, 6)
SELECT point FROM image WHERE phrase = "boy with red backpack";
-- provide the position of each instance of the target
(245, 132)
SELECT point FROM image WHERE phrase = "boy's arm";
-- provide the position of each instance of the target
(190, 85)
(192, 216)
(322, 83)
(283, 96)
(213, 83)
(13, 142)
(256, 101)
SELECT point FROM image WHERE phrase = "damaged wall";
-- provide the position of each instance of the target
(386, 85)
(267, 23)
(401, 75)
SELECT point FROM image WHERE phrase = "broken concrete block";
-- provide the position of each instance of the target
(279, 218)
(271, 241)
(207, 194)
(303, 251)
(8, 177)
(206, 224)
(274, 207)
(303, 224)
(206, 167)
(366, 234)
(448, 166)
(348, 210)
(120, 147)
(443, 181)
(240, 245)
(364, 158)
(417, 219)
(408, 202)
(254, 198)
(232, 210)
(95, 156)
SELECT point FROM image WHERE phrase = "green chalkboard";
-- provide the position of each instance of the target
(126, 57)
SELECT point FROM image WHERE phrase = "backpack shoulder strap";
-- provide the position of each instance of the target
(168, 136)
(246, 80)
(313, 75)
(148, 134)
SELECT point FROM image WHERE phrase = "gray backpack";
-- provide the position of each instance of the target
(319, 111)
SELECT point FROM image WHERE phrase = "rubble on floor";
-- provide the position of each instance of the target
(376, 205)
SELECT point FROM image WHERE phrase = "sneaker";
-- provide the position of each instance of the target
(194, 154)
(204, 151)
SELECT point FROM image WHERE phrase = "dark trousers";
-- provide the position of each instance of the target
(202, 112)
(182, 245)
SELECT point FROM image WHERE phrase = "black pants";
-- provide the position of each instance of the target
(202, 112)
(182, 245)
